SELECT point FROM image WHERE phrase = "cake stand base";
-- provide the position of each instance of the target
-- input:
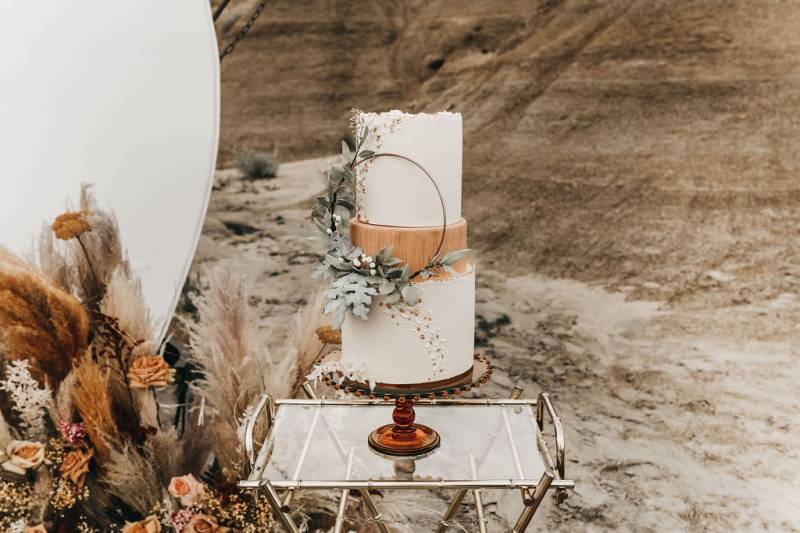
(404, 438)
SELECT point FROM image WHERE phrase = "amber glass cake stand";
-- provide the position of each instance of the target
(404, 437)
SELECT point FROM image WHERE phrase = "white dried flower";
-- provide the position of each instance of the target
(330, 231)
(373, 272)
(29, 400)
(372, 265)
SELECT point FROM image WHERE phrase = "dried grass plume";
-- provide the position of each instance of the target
(93, 401)
(39, 321)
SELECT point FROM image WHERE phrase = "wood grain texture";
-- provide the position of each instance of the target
(414, 246)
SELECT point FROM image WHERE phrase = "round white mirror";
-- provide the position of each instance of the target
(121, 94)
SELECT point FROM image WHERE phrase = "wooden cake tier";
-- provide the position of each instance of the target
(414, 246)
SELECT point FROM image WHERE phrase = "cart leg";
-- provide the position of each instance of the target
(373, 509)
(451, 511)
(275, 504)
(340, 513)
(538, 496)
(476, 494)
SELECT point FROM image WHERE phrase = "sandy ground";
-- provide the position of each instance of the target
(679, 417)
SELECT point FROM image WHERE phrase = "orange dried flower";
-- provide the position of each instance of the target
(75, 466)
(70, 225)
(150, 371)
(329, 335)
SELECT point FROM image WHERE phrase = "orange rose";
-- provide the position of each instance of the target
(75, 466)
(148, 525)
(201, 523)
(23, 455)
(150, 371)
(186, 488)
(35, 529)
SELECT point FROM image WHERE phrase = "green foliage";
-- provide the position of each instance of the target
(258, 165)
(356, 277)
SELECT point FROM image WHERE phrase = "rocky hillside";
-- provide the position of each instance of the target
(631, 142)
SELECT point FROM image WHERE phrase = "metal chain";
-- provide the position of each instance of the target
(243, 32)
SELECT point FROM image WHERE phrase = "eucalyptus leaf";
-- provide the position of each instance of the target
(347, 204)
(366, 153)
(425, 274)
(392, 261)
(410, 294)
(405, 273)
(347, 174)
(343, 212)
(387, 287)
(455, 256)
(346, 151)
(450, 270)
(393, 298)
(319, 211)
(393, 273)
(384, 255)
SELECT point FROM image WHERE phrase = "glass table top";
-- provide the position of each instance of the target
(328, 442)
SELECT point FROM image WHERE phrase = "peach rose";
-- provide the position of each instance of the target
(23, 455)
(201, 523)
(150, 371)
(148, 525)
(75, 466)
(186, 489)
(35, 529)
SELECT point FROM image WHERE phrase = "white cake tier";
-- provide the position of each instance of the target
(394, 192)
(432, 341)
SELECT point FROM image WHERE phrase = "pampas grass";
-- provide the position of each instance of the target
(124, 301)
(52, 261)
(6, 433)
(38, 321)
(93, 402)
(303, 340)
(63, 407)
(131, 477)
(231, 351)
(95, 255)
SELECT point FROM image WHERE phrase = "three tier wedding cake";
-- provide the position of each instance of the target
(402, 272)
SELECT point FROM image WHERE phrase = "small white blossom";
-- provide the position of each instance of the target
(373, 272)
(330, 231)
(372, 265)
(28, 399)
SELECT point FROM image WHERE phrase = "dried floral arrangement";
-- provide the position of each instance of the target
(89, 439)
(356, 277)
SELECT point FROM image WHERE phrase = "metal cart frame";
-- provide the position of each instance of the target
(532, 491)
